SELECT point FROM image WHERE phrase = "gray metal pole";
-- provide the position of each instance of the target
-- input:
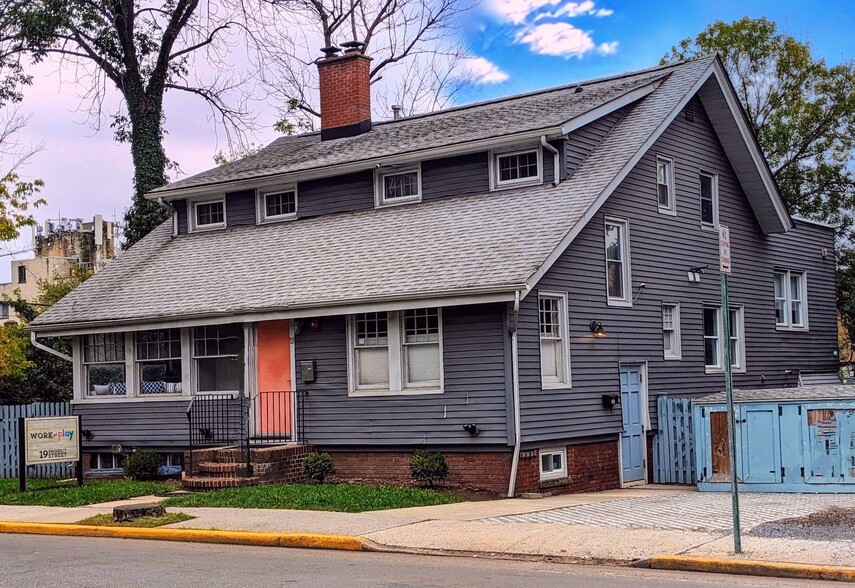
(731, 417)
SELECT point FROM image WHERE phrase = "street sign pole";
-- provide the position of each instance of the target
(725, 268)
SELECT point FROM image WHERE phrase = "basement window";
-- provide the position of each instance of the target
(553, 463)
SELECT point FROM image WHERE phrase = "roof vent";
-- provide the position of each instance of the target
(396, 111)
(578, 89)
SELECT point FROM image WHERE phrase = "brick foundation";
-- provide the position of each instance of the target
(273, 465)
(590, 467)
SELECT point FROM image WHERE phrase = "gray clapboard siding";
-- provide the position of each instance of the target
(475, 388)
(583, 140)
(455, 176)
(240, 209)
(663, 248)
(161, 426)
(347, 193)
(181, 213)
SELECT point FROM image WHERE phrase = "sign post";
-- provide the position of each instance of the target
(48, 440)
(725, 269)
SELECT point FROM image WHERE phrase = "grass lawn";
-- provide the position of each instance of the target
(56, 493)
(334, 497)
(106, 520)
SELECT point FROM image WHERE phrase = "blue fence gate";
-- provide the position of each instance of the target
(674, 446)
(9, 415)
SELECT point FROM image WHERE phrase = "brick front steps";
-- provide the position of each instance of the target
(225, 467)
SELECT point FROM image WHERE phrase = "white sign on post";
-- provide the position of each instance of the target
(52, 440)
(724, 249)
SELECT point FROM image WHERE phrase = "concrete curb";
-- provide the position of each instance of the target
(302, 540)
(750, 568)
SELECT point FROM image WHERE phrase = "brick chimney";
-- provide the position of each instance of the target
(345, 92)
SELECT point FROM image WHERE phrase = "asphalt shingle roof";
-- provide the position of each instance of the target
(808, 393)
(493, 241)
(530, 112)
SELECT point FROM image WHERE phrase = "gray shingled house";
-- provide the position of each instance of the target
(512, 283)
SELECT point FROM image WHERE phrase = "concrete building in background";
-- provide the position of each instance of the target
(60, 245)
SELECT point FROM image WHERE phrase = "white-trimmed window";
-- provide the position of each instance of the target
(106, 461)
(713, 340)
(4, 310)
(208, 214)
(158, 361)
(665, 185)
(397, 185)
(279, 204)
(218, 352)
(553, 463)
(709, 200)
(790, 299)
(618, 277)
(671, 330)
(396, 352)
(104, 364)
(517, 168)
(554, 341)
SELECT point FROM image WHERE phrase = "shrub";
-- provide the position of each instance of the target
(318, 466)
(142, 465)
(427, 468)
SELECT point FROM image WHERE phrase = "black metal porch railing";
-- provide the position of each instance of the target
(265, 418)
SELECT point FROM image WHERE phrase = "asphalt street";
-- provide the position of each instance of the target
(45, 561)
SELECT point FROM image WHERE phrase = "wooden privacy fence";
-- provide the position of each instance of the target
(9, 415)
(673, 446)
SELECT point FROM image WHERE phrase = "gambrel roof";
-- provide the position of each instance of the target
(452, 250)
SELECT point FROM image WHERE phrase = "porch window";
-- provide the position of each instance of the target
(218, 358)
(104, 364)
(553, 464)
(158, 359)
(554, 349)
(396, 352)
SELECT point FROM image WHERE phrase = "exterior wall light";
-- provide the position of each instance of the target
(597, 329)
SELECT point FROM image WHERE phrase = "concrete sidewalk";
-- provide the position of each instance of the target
(618, 526)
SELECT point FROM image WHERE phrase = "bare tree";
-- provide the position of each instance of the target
(17, 197)
(413, 44)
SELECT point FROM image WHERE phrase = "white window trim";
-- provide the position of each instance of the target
(677, 352)
(788, 326)
(496, 184)
(138, 364)
(192, 227)
(715, 201)
(397, 386)
(671, 209)
(194, 369)
(261, 204)
(380, 185)
(555, 474)
(626, 300)
(740, 317)
(566, 380)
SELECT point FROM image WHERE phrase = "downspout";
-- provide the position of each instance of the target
(556, 166)
(515, 376)
(174, 215)
(50, 350)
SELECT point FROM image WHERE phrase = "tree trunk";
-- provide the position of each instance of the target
(150, 163)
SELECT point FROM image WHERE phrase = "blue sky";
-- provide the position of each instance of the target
(520, 45)
(608, 37)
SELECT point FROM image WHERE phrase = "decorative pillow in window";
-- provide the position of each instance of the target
(173, 388)
(101, 389)
(118, 389)
(157, 387)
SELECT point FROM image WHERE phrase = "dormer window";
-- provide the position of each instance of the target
(397, 186)
(517, 168)
(278, 204)
(209, 214)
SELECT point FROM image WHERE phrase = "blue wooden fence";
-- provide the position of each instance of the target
(9, 415)
(673, 446)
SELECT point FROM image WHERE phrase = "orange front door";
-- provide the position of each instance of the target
(274, 402)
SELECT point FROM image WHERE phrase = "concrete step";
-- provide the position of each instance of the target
(203, 483)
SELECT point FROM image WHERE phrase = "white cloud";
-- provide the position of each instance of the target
(574, 9)
(559, 38)
(479, 70)
(517, 11)
(608, 48)
(601, 12)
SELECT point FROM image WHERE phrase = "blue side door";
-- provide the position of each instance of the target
(632, 438)
(760, 444)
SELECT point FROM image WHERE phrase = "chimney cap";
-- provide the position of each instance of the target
(330, 51)
(353, 46)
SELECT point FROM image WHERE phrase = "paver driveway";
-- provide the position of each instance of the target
(687, 511)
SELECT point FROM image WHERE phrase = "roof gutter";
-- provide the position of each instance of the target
(515, 376)
(50, 350)
(355, 166)
(556, 167)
